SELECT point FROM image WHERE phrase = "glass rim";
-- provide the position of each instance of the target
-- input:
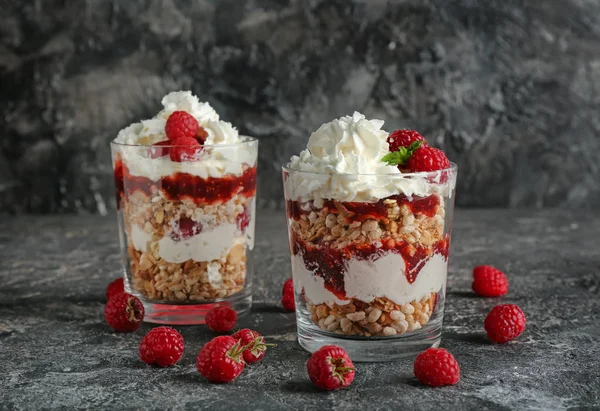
(247, 140)
(453, 167)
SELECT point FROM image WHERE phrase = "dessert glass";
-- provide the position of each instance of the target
(370, 276)
(187, 228)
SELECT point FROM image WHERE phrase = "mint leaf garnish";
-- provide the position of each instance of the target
(401, 157)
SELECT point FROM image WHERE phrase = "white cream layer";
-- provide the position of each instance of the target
(214, 162)
(366, 280)
(208, 245)
(304, 186)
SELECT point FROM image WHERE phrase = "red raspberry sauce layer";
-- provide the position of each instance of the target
(331, 263)
(180, 186)
(363, 211)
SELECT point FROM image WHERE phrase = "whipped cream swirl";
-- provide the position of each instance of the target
(348, 145)
(217, 159)
(152, 131)
(343, 162)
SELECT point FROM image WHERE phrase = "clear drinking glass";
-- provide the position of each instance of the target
(187, 228)
(370, 276)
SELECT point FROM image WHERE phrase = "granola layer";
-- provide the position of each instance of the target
(335, 224)
(157, 279)
(200, 278)
(380, 318)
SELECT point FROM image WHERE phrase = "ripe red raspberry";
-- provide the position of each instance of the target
(255, 342)
(181, 124)
(504, 323)
(221, 319)
(436, 367)
(114, 288)
(287, 297)
(158, 149)
(427, 158)
(185, 149)
(488, 281)
(221, 360)
(162, 346)
(404, 138)
(330, 368)
(124, 312)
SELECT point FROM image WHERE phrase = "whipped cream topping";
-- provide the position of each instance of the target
(343, 162)
(186, 101)
(348, 145)
(221, 132)
(152, 131)
(217, 159)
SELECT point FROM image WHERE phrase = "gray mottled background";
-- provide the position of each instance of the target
(510, 89)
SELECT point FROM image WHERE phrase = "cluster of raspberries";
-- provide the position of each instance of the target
(224, 358)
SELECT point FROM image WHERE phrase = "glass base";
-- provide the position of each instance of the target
(379, 349)
(192, 314)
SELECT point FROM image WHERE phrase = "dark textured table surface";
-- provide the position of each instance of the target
(57, 352)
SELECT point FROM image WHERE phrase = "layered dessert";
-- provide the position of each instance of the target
(367, 221)
(185, 184)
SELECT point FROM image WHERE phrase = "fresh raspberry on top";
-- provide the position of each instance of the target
(504, 323)
(124, 312)
(330, 368)
(221, 319)
(114, 288)
(436, 367)
(162, 346)
(255, 343)
(404, 138)
(287, 296)
(221, 360)
(427, 158)
(181, 124)
(488, 281)
(185, 149)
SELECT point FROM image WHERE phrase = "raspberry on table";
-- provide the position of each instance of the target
(221, 319)
(287, 296)
(436, 367)
(221, 359)
(181, 124)
(403, 138)
(124, 312)
(255, 342)
(488, 281)
(504, 323)
(162, 346)
(427, 158)
(330, 368)
(115, 287)
(185, 149)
